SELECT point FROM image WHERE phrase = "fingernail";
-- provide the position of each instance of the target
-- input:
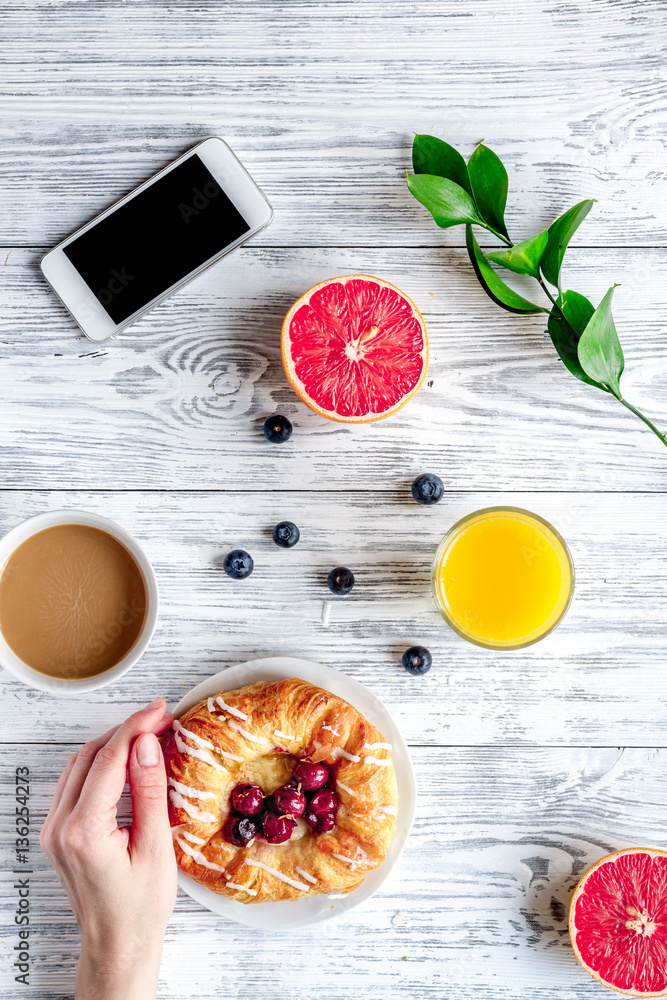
(153, 704)
(148, 750)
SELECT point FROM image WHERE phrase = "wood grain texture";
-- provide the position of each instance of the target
(178, 400)
(321, 101)
(599, 678)
(476, 906)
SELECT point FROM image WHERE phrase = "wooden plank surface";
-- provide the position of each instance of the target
(321, 100)
(477, 906)
(530, 766)
(599, 678)
(178, 400)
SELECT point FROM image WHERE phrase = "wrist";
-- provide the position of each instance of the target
(111, 972)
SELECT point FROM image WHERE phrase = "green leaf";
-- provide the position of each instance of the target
(522, 258)
(433, 156)
(494, 286)
(577, 310)
(599, 349)
(560, 234)
(447, 202)
(488, 179)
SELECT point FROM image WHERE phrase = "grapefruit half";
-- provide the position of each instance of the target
(618, 922)
(354, 348)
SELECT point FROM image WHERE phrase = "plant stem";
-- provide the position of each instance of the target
(629, 406)
(553, 301)
(638, 413)
(508, 243)
(490, 229)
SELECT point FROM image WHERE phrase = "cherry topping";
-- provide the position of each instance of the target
(310, 776)
(320, 822)
(239, 830)
(323, 802)
(289, 801)
(277, 829)
(248, 799)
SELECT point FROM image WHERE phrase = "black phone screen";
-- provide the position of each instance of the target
(156, 239)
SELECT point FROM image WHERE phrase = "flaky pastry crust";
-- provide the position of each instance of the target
(255, 735)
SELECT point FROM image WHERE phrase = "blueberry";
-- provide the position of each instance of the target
(277, 428)
(428, 489)
(417, 660)
(286, 534)
(341, 580)
(238, 564)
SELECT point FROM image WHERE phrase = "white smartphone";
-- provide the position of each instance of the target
(157, 238)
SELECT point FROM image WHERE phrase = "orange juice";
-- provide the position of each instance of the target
(503, 578)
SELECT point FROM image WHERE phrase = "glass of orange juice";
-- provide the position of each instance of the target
(503, 578)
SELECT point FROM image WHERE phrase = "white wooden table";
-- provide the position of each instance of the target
(530, 765)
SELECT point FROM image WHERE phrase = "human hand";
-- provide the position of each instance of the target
(120, 881)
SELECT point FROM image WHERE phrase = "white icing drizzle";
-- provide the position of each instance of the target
(377, 746)
(376, 760)
(211, 706)
(232, 711)
(282, 736)
(392, 810)
(235, 885)
(274, 871)
(181, 803)
(349, 861)
(331, 730)
(346, 788)
(199, 754)
(190, 793)
(244, 732)
(191, 837)
(199, 857)
(308, 878)
(199, 740)
(339, 752)
(204, 743)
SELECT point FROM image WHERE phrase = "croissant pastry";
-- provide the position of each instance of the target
(277, 791)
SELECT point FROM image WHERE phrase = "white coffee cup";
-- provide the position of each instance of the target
(61, 685)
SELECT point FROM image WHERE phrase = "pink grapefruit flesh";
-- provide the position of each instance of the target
(354, 348)
(618, 922)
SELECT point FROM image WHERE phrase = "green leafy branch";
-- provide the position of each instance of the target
(475, 194)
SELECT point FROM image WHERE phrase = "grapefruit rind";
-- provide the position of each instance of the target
(299, 387)
(578, 892)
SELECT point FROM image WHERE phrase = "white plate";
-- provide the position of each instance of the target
(304, 912)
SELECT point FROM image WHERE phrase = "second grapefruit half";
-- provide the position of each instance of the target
(354, 348)
(618, 922)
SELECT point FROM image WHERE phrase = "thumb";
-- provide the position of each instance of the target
(148, 788)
